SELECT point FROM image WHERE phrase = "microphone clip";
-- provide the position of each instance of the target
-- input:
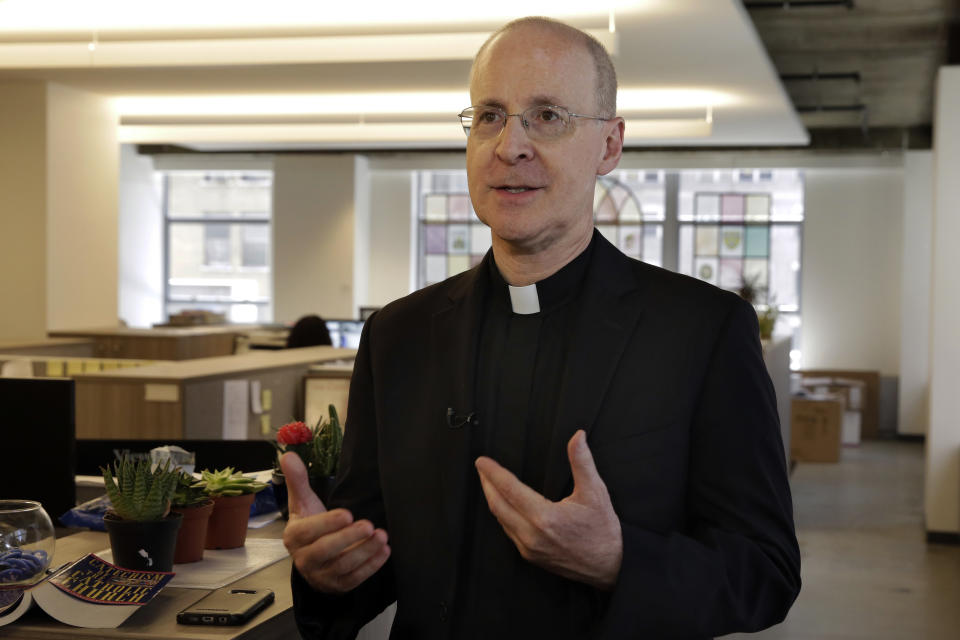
(456, 422)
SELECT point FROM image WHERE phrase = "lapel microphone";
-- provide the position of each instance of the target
(456, 422)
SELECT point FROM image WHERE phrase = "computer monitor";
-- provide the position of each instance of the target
(39, 442)
(345, 333)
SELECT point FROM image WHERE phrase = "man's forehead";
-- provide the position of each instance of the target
(530, 66)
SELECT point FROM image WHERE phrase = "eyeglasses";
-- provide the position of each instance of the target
(543, 122)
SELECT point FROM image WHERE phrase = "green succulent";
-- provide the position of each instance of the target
(327, 445)
(136, 492)
(187, 494)
(227, 482)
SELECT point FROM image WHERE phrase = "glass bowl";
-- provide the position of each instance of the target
(26, 543)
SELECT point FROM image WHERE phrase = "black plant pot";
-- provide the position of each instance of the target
(144, 546)
(322, 486)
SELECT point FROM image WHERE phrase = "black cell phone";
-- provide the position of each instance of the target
(226, 606)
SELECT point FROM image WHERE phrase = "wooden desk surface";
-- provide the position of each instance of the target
(210, 367)
(158, 619)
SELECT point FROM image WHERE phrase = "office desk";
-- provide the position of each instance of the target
(188, 400)
(158, 619)
(184, 343)
(64, 347)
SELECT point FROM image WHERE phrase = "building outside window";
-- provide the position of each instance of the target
(218, 243)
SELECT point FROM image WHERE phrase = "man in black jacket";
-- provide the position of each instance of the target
(561, 442)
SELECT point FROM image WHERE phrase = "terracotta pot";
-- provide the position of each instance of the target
(227, 528)
(192, 537)
(144, 546)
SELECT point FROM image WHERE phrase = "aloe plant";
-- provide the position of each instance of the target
(227, 482)
(136, 492)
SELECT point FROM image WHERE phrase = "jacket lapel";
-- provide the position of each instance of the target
(610, 310)
(454, 330)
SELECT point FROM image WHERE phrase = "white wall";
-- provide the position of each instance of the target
(140, 230)
(391, 235)
(362, 256)
(23, 221)
(943, 440)
(82, 168)
(313, 236)
(915, 295)
(850, 294)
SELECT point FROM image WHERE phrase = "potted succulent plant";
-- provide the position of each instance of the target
(143, 532)
(319, 448)
(196, 506)
(232, 494)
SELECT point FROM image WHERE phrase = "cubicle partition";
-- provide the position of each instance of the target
(238, 397)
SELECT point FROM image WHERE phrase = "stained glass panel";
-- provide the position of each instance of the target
(731, 273)
(629, 212)
(457, 264)
(757, 241)
(731, 241)
(436, 268)
(436, 240)
(479, 238)
(630, 241)
(607, 211)
(707, 240)
(435, 207)
(458, 239)
(732, 206)
(707, 207)
(706, 269)
(458, 207)
(758, 207)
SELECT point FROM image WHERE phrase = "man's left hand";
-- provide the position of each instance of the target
(578, 538)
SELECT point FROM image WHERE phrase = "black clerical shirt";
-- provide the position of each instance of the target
(520, 368)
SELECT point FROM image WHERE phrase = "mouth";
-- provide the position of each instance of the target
(516, 188)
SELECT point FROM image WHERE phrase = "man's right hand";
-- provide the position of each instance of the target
(331, 551)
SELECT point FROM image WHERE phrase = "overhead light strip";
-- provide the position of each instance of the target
(252, 51)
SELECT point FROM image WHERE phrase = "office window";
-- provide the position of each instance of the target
(218, 243)
(738, 226)
(628, 211)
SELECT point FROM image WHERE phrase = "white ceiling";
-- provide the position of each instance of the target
(675, 58)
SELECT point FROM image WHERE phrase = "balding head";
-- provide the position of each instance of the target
(606, 75)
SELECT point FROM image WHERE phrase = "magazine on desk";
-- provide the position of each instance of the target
(89, 592)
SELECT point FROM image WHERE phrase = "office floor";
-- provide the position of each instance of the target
(867, 570)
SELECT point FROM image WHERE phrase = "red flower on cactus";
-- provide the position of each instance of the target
(294, 433)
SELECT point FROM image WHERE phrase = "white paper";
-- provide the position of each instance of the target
(220, 567)
(235, 409)
(255, 397)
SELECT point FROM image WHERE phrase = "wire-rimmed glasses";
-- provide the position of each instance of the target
(543, 122)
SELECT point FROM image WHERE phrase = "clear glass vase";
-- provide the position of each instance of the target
(27, 542)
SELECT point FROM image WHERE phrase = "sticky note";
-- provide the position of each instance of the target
(55, 368)
(89, 366)
(74, 367)
(161, 393)
(265, 427)
(266, 401)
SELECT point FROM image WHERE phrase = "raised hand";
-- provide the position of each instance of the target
(577, 538)
(331, 551)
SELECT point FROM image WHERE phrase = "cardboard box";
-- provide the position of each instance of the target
(816, 427)
(853, 391)
(870, 418)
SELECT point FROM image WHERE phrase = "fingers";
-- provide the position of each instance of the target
(338, 562)
(301, 500)
(585, 476)
(519, 495)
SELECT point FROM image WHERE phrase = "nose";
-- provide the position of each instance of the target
(513, 143)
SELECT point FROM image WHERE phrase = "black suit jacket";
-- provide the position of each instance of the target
(667, 378)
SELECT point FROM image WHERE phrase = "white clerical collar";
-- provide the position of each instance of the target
(524, 300)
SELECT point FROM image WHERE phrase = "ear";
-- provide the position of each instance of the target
(612, 146)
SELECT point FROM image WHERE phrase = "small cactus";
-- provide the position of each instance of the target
(327, 446)
(136, 492)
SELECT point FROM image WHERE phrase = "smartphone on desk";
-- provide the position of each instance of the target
(226, 606)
